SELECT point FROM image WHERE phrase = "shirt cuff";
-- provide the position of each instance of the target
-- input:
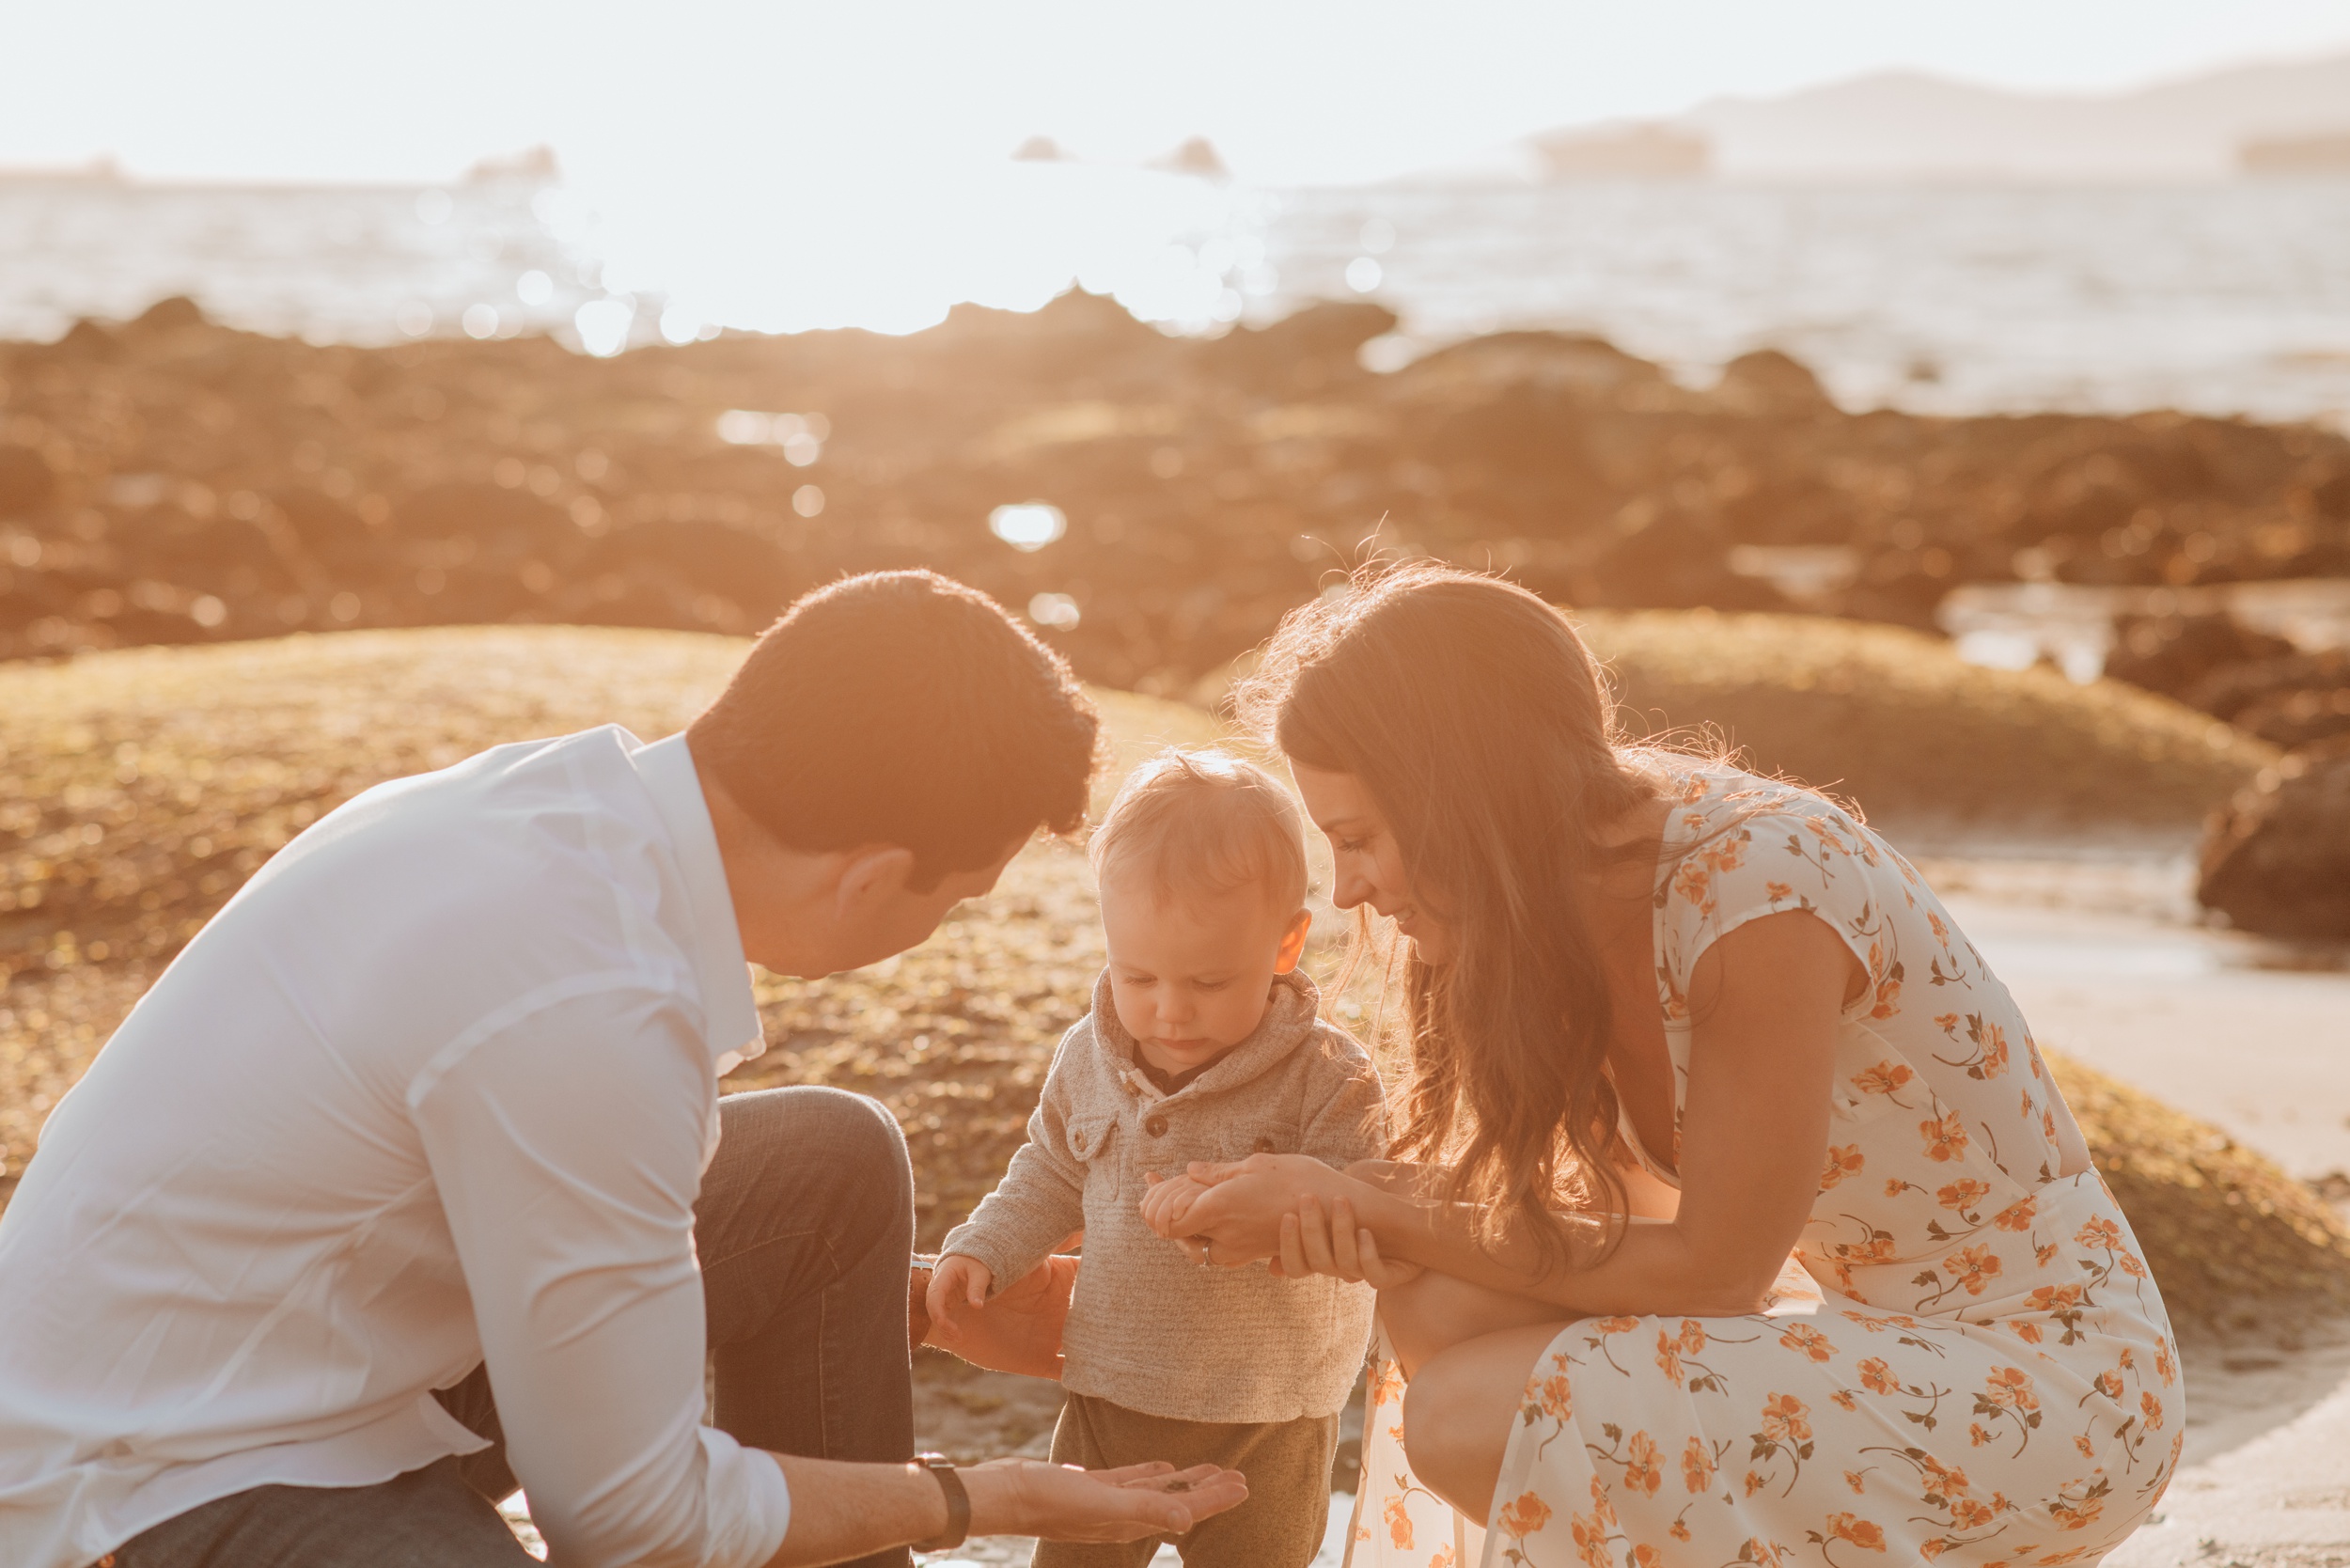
(751, 1503)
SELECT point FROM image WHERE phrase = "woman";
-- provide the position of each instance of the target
(1747, 1225)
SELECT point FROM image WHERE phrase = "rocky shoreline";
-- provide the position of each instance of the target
(171, 481)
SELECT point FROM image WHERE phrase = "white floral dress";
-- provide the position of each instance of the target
(1963, 1361)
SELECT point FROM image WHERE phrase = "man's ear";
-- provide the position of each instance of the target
(1294, 942)
(870, 874)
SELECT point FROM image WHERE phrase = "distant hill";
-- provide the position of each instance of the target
(1908, 125)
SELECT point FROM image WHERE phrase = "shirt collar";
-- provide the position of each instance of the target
(733, 1032)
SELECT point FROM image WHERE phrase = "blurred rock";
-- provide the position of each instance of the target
(1208, 484)
(2278, 861)
(2171, 654)
(1773, 385)
(2289, 701)
(26, 483)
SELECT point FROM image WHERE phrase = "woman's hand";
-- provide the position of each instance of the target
(1316, 1242)
(1237, 1219)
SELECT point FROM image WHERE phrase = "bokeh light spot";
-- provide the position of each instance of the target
(1056, 610)
(1363, 275)
(1029, 525)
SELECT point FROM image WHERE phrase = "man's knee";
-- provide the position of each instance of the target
(852, 1137)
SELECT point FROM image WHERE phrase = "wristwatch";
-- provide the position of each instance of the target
(958, 1503)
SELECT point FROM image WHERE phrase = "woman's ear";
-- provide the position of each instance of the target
(1294, 942)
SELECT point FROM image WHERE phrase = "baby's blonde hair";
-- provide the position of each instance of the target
(1205, 822)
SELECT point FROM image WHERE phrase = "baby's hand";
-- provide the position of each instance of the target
(956, 1282)
(1165, 1205)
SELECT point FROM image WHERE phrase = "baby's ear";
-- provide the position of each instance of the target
(1294, 942)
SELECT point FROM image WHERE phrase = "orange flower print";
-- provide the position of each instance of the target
(1963, 1194)
(2076, 1515)
(2089, 1449)
(1844, 1400)
(1554, 1396)
(1398, 1522)
(2027, 1332)
(1976, 1436)
(1669, 1355)
(1862, 1533)
(2165, 1368)
(1945, 1022)
(1972, 1267)
(1945, 1137)
(2017, 1216)
(1994, 1050)
(1885, 1077)
(1692, 1337)
(1941, 932)
(2043, 1256)
(1857, 1481)
(1877, 1377)
(2053, 1298)
(1645, 1556)
(1642, 1472)
(1754, 1483)
(1696, 1467)
(1615, 1326)
(2101, 1234)
(1786, 1418)
(1443, 1557)
(1889, 998)
(1695, 885)
(1525, 1516)
(1778, 892)
(2131, 1266)
(1843, 1161)
(1680, 1530)
(2150, 1408)
(1725, 855)
(1387, 1383)
(1809, 1341)
(2010, 1386)
(2109, 1383)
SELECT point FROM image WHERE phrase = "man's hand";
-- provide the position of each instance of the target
(1028, 1496)
(842, 1510)
(1019, 1331)
(956, 1283)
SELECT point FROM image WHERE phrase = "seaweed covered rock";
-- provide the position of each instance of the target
(2277, 861)
(2219, 1224)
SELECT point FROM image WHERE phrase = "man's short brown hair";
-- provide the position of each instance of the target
(902, 708)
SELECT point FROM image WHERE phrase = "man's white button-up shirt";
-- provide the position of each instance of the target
(437, 1086)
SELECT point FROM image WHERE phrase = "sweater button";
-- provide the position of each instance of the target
(1156, 1126)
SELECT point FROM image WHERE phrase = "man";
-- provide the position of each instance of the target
(409, 1181)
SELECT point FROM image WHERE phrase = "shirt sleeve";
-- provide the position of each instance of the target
(1798, 856)
(1041, 1199)
(568, 1146)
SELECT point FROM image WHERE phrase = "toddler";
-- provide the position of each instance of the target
(1202, 1043)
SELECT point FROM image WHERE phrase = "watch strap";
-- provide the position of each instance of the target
(957, 1528)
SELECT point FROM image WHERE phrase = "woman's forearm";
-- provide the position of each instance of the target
(1657, 1269)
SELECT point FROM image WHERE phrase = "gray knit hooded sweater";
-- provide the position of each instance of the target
(1149, 1329)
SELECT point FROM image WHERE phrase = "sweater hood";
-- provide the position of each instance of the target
(1290, 1019)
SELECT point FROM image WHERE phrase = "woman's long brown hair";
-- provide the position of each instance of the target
(1484, 732)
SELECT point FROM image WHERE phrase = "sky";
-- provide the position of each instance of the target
(1290, 91)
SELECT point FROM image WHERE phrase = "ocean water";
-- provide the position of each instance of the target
(2219, 298)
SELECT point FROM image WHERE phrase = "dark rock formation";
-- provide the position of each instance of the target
(174, 477)
(2278, 861)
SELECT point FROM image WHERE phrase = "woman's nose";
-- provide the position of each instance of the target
(1350, 889)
